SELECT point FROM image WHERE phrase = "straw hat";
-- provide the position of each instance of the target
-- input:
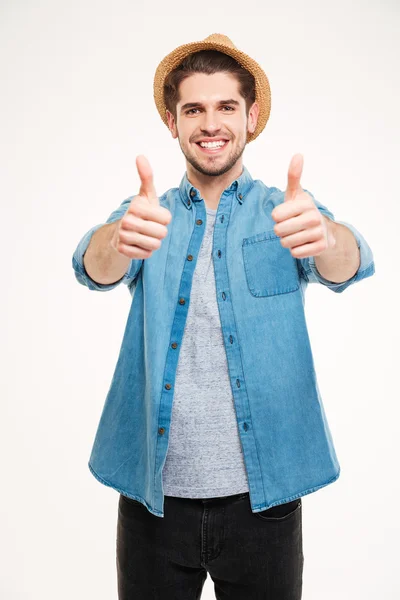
(215, 41)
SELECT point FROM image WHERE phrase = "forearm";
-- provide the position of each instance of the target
(341, 262)
(102, 263)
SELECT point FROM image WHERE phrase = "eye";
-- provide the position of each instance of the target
(190, 111)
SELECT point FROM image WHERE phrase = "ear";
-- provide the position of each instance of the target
(171, 124)
(253, 117)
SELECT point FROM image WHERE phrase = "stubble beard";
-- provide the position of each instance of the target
(211, 167)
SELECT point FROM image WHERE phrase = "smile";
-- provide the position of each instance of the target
(214, 147)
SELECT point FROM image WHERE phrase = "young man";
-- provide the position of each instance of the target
(213, 427)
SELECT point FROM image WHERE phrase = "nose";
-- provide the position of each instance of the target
(210, 123)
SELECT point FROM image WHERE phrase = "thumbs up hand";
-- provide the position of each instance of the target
(303, 229)
(143, 226)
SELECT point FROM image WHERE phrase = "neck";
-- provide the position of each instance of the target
(211, 187)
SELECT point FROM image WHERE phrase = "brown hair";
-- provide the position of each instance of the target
(209, 62)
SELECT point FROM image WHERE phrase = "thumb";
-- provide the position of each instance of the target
(294, 175)
(147, 188)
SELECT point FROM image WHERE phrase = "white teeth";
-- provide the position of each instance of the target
(212, 144)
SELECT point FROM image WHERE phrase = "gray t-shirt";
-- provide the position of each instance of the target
(205, 457)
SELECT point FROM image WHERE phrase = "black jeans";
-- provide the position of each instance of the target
(249, 556)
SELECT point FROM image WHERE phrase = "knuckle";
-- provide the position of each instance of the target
(165, 215)
(142, 253)
(139, 252)
(129, 220)
(149, 242)
(124, 236)
(135, 209)
(320, 246)
(324, 245)
(137, 205)
(315, 218)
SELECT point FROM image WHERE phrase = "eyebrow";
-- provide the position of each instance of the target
(199, 104)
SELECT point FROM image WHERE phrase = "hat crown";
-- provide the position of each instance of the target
(220, 38)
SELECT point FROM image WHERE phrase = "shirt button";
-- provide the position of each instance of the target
(192, 193)
(161, 430)
(199, 222)
(167, 386)
(240, 196)
(190, 257)
(174, 345)
(181, 300)
(219, 253)
(189, 202)
(223, 295)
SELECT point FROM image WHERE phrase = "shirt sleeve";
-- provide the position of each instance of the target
(310, 273)
(77, 259)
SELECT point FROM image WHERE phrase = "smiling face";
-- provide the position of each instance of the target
(212, 111)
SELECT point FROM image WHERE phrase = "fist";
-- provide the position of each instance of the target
(143, 227)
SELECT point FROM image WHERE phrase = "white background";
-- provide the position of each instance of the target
(76, 109)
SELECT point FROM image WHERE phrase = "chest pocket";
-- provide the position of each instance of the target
(270, 268)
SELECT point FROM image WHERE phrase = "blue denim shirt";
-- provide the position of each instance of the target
(286, 441)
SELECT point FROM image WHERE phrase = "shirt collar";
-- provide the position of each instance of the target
(240, 187)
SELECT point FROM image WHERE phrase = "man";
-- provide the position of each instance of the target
(213, 427)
